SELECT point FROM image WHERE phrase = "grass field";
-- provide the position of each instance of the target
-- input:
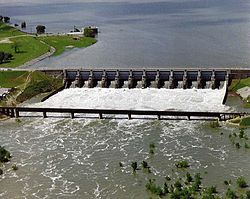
(238, 84)
(29, 83)
(60, 43)
(8, 31)
(29, 48)
(10, 79)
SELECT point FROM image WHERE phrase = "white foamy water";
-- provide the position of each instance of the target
(139, 99)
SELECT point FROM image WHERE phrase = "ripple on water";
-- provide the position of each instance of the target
(71, 157)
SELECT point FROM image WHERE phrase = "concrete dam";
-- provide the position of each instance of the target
(143, 78)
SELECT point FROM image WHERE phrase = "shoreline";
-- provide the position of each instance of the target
(55, 44)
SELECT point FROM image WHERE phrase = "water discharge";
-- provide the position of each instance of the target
(65, 158)
(139, 99)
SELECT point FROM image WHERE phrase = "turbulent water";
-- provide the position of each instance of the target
(139, 99)
(142, 33)
(79, 158)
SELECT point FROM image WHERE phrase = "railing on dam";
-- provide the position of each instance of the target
(15, 112)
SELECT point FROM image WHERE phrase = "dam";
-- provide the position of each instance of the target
(140, 78)
(143, 78)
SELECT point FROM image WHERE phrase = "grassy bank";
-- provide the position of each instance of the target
(26, 85)
(238, 84)
(8, 31)
(61, 43)
(30, 47)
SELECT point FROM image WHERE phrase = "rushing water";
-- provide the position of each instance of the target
(65, 158)
(173, 33)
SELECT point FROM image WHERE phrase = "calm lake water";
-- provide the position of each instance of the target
(168, 33)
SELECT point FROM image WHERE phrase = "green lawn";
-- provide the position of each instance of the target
(30, 83)
(8, 31)
(62, 42)
(238, 84)
(29, 49)
(10, 79)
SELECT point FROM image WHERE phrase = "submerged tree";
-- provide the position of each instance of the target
(40, 29)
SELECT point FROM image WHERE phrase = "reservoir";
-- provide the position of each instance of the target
(141, 33)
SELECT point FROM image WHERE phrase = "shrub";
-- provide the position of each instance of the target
(165, 189)
(144, 165)
(14, 167)
(168, 178)
(189, 177)
(241, 134)
(211, 190)
(134, 166)
(151, 145)
(1, 172)
(120, 164)
(241, 182)
(153, 188)
(4, 155)
(226, 182)
(178, 185)
(151, 148)
(182, 164)
(247, 194)
(151, 151)
(231, 194)
(214, 124)
(237, 145)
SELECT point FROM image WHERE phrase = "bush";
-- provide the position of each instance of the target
(231, 194)
(214, 124)
(153, 188)
(144, 165)
(241, 134)
(237, 145)
(14, 167)
(4, 155)
(189, 177)
(247, 194)
(241, 182)
(134, 166)
(178, 185)
(211, 190)
(182, 164)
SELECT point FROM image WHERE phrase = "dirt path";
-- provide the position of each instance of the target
(7, 40)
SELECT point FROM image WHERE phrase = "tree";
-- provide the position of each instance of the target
(1, 18)
(88, 32)
(16, 46)
(40, 29)
(6, 19)
(5, 56)
(23, 24)
(1, 57)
